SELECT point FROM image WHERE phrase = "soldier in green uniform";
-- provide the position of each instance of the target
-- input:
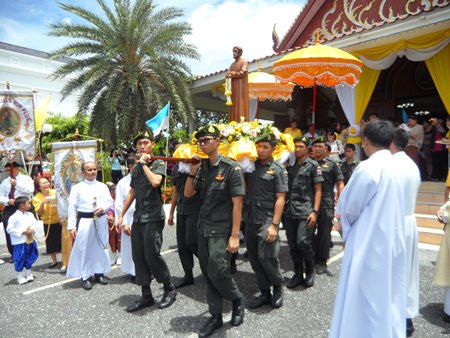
(220, 184)
(187, 219)
(148, 224)
(332, 175)
(349, 164)
(301, 211)
(267, 187)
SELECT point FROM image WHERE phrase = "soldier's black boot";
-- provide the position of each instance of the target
(309, 273)
(188, 279)
(210, 326)
(298, 277)
(169, 296)
(261, 300)
(277, 297)
(237, 315)
(145, 301)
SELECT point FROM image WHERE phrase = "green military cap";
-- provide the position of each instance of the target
(13, 164)
(143, 135)
(208, 130)
(319, 139)
(302, 139)
(267, 137)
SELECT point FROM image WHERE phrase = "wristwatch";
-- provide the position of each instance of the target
(316, 212)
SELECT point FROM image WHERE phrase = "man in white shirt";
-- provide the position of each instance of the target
(14, 186)
(410, 177)
(371, 297)
(88, 202)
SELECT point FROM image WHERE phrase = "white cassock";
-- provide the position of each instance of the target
(122, 189)
(371, 297)
(90, 250)
(409, 173)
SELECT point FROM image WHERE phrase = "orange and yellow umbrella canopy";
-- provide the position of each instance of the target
(264, 86)
(318, 64)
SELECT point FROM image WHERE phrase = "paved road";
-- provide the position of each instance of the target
(55, 306)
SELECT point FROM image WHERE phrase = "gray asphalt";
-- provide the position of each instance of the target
(55, 306)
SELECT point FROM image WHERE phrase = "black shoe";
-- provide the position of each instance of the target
(86, 284)
(309, 278)
(168, 298)
(277, 297)
(185, 281)
(53, 265)
(141, 303)
(261, 300)
(237, 315)
(321, 268)
(133, 279)
(210, 326)
(446, 318)
(295, 281)
(101, 279)
(409, 327)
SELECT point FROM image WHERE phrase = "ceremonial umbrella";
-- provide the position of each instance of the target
(318, 65)
(263, 86)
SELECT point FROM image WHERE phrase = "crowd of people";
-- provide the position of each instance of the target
(371, 203)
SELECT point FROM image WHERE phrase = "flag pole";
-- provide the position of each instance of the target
(167, 148)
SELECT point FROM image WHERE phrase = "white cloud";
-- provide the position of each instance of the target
(217, 28)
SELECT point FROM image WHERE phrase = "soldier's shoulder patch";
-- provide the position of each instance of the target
(237, 168)
(270, 172)
(319, 171)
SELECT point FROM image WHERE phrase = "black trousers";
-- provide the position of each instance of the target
(146, 242)
(187, 240)
(322, 238)
(299, 238)
(7, 213)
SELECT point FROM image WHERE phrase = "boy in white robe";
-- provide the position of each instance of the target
(89, 200)
(371, 297)
(21, 227)
(122, 190)
(410, 176)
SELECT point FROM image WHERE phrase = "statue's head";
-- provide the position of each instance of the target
(237, 51)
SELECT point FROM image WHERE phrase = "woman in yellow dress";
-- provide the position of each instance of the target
(293, 129)
(44, 203)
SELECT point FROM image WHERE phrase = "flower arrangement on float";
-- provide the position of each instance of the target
(238, 143)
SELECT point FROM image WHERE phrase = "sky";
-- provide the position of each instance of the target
(217, 26)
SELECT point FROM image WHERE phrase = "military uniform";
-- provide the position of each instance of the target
(148, 224)
(217, 183)
(263, 184)
(299, 205)
(347, 170)
(331, 172)
(187, 219)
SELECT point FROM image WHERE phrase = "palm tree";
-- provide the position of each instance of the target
(126, 65)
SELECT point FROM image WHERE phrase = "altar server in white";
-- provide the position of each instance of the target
(410, 176)
(371, 297)
(122, 190)
(88, 202)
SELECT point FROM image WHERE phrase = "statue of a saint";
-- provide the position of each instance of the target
(238, 73)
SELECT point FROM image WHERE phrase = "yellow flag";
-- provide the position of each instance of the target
(40, 112)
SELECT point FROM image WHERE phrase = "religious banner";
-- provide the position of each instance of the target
(68, 157)
(17, 132)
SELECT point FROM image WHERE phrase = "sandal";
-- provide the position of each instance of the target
(51, 266)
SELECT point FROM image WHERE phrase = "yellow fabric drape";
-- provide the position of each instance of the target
(40, 113)
(364, 90)
(419, 42)
(439, 67)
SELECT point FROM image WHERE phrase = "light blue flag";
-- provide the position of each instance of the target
(404, 116)
(160, 121)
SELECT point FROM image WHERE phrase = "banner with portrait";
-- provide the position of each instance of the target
(17, 130)
(68, 157)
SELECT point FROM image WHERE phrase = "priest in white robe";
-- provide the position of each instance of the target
(371, 297)
(88, 202)
(122, 190)
(410, 177)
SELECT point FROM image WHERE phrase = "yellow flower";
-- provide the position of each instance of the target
(237, 129)
(230, 138)
(233, 123)
(194, 141)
